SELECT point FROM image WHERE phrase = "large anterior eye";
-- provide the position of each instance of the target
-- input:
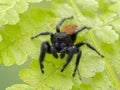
(59, 40)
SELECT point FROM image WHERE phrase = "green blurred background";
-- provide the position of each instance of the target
(9, 75)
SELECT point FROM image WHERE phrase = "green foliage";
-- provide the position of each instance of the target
(9, 10)
(105, 33)
(17, 26)
(20, 87)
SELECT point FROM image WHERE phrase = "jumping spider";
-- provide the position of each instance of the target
(63, 42)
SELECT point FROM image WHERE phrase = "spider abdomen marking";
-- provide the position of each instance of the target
(69, 29)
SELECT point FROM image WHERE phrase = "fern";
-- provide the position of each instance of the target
(16, 46)
(9, 10)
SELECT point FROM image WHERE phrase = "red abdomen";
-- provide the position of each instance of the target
(69, 29)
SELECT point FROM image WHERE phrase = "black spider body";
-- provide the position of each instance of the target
(63, 42)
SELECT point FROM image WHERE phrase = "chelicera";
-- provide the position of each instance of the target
(63, 42)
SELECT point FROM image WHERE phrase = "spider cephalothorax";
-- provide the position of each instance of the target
(63, 42)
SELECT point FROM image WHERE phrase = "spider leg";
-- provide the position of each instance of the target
(71, 52)
(77, 31)
(81, 29)
(77, 61)
(62, 52)
(90, 46)
(43, 33)
(45, 47)
(61, 22)
(54, 52)
(79, 74)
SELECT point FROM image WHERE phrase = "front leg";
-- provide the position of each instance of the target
(71, 51)
(62, 52)
(43, 33)
(61, 22)
(45, 47)
(79, 54)
(54, 52)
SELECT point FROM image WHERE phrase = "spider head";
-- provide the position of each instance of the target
(61, 40)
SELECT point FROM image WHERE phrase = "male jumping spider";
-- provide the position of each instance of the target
(63, 42)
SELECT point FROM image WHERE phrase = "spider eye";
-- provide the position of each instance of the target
(59, 39)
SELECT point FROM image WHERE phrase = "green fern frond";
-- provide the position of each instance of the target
(15, 46)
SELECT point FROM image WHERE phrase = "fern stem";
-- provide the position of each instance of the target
(108, 67)
(112, 74)
(74, 7)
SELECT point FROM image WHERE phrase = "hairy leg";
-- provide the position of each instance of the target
(61, 22)
(71, 51)
(90, 46)
(79, 54)
(43, 33)
(54, 52)
(45, 47)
